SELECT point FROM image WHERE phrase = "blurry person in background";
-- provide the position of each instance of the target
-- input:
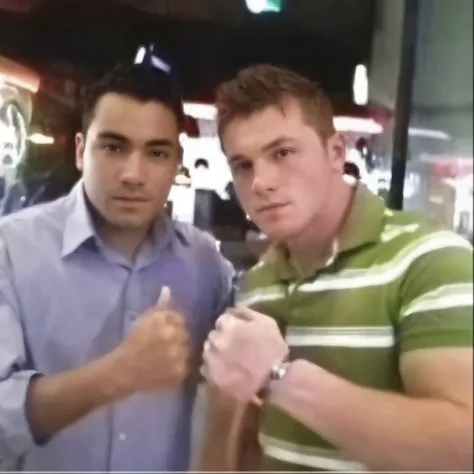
(351, 169)
(181, 197)
(183, 178)
(45, 174)
(104, 302)
(203, 179)
(201, 176)
(2, 187)
(355, 329)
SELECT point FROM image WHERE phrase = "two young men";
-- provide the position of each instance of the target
(354, 331)
(351, 346)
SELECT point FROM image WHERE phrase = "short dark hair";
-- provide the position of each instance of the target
(263, 85)
(140, 82)
(352, 169)
(184, 172)
(201, 162)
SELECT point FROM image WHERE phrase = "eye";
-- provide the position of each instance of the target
(158, 154)
(110, 148)
(242, 166)
(283, 153)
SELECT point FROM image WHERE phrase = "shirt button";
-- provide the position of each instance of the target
(132, 316)
(122, 437)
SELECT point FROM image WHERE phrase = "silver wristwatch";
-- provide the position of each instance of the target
(279, 371)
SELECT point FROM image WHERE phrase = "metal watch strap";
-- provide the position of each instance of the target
(278, 371)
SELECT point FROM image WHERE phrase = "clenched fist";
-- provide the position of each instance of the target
(240, 353)
(155, 354)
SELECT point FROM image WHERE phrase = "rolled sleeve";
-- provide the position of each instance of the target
(15, 433)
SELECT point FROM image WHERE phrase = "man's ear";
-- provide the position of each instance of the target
(336, 148)
(80, 147)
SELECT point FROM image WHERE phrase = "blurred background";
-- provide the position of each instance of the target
(399, 72)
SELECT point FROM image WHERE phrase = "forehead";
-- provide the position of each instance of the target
(260, 128)
(133, 119)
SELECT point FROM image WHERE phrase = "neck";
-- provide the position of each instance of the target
(314, 246)
(126, 242)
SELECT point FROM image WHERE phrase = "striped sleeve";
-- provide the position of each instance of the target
(436, 298)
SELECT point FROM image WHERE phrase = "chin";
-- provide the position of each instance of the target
(130, 224)
(280, 231)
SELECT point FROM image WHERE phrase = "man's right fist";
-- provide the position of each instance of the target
(155, 354)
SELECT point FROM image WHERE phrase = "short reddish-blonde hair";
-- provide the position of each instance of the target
(258, 87)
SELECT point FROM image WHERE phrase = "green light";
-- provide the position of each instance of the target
(273, 6)
(260, 6)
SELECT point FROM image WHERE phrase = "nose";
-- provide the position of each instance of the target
(265, 177)
(133, 171)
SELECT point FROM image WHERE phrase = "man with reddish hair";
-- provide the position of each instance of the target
(353, 334)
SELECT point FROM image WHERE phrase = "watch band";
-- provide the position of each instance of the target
(278, 371)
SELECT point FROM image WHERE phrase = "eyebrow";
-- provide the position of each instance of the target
(161, 142)
(269, 146)
(113, 136)
(276, 143)
(233, 159)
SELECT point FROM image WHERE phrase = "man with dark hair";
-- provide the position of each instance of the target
(104, 302)
(143, 83)
(354, 331)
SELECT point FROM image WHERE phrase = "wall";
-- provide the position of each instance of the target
(385, 56)
(443, 91)
(440, 148)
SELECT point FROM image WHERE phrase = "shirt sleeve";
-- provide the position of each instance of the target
(436, 298)
(220, 282)
(15, 434)
(227, 279)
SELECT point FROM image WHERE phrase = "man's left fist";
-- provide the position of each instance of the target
(240, 353)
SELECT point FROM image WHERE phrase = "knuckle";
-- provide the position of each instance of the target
(155, 314)
(167, 333)
(174, 317)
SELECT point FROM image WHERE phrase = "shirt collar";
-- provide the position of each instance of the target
(362, 226)
(79, 227)
(364, 222)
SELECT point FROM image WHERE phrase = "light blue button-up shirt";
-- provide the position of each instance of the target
(65, 300)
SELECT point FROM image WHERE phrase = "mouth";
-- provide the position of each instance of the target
(130, 200)
(270, 207)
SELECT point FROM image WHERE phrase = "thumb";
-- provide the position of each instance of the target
(164, 301)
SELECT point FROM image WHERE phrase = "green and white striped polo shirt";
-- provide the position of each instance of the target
(397, 283)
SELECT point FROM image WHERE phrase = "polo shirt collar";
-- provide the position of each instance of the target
(363, 226)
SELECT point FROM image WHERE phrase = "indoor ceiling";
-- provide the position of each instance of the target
(344, 21)
(205, 40)
(340, 20)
